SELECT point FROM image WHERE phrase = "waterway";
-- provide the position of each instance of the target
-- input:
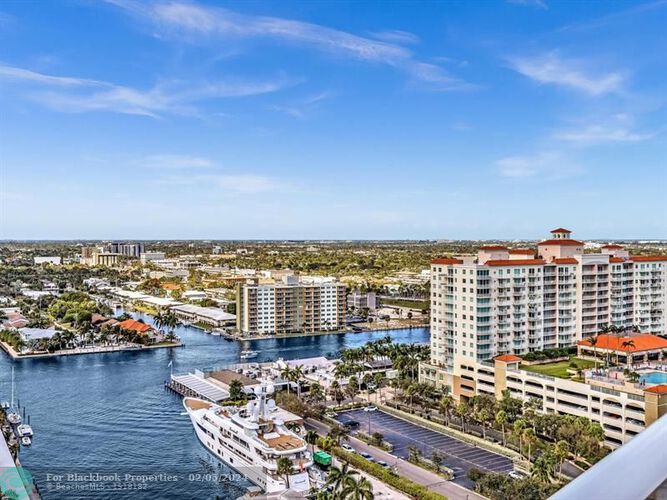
(109, 414)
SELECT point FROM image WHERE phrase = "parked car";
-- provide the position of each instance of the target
(382, 463)
(370, 408)
(351, 424)
(367, 456)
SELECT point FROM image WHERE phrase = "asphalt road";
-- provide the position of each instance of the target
(457, 455)
(405, 469)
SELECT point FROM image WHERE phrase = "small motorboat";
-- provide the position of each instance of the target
(24, 430)
(249, 354)
(215, 333)
(5, 405)
(26, 441)
(14, 418)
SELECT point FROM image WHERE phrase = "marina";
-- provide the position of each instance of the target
(78, 400)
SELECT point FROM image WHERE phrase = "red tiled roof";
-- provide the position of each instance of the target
(568, 243)
(641, 343)
(560, 230)
(616, 260)
(507, 358)
(569, 260)
(515, 262)
(446, 261)
(522, 251)
(649, 258)
(493, 247)
(137, 326)
(612, 246)
(657, 389)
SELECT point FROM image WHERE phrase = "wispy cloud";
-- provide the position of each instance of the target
(206, 24)
(78, 95)
(530, 3)
(396, 36)
(600, 134)
(301, 108)
(548, 164)
(25, 75)
(551, 68)
(174, 162)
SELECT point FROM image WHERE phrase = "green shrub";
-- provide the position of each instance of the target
(403, 484)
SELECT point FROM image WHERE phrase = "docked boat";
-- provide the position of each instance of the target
(5, 405)
(26, 441)
(249, 354)
(24, 430)
(251, 440)
(14, 417)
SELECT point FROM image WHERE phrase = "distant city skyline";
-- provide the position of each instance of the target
(127, 120)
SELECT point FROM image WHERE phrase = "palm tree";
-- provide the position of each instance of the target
(286, 374)
(361, 489)
(327, 443)
(542, 469)
(593, 341)
(630, 344)
(501, 420)
(445, 406)
(311, 438)
(339, 476)
(316, 392)
(377, 380)
(284, 469)
(561, 452)
(529, 437)
(519, 427)
(297, 375)
(462, 412)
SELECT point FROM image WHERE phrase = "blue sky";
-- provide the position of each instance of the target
(174, 119)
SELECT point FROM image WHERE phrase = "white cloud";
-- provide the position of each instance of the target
(550, 68)
(548, 164)
(77, 95)
(599, 134)
(302, 107)
(196, 22)
(530, 3)
(396, 36)
(174, 162)
(21, 74)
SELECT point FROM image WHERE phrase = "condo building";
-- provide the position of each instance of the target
(290, 304)
(514, 301)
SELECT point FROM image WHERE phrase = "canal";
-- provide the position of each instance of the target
(108, 414)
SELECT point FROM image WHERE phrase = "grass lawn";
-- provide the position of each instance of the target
(559, 369)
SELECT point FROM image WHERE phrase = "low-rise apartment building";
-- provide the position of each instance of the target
(290, 304)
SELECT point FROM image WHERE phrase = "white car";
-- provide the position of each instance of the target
(517, 474)
(370, 408)
(347, 447)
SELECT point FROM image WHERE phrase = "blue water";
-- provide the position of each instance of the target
(654, 378)
(109, 413)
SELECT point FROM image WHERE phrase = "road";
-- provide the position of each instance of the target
(421, 476)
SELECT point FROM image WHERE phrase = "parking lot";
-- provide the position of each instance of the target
(457, 455)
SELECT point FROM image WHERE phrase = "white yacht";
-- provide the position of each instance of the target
(249, 354)
(14, 417)
(24, 430)
(251, 440)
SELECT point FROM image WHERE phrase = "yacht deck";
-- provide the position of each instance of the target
(282, 443)
(197, 404)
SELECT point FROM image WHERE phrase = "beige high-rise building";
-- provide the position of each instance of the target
(514, 301)
(290, 305)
